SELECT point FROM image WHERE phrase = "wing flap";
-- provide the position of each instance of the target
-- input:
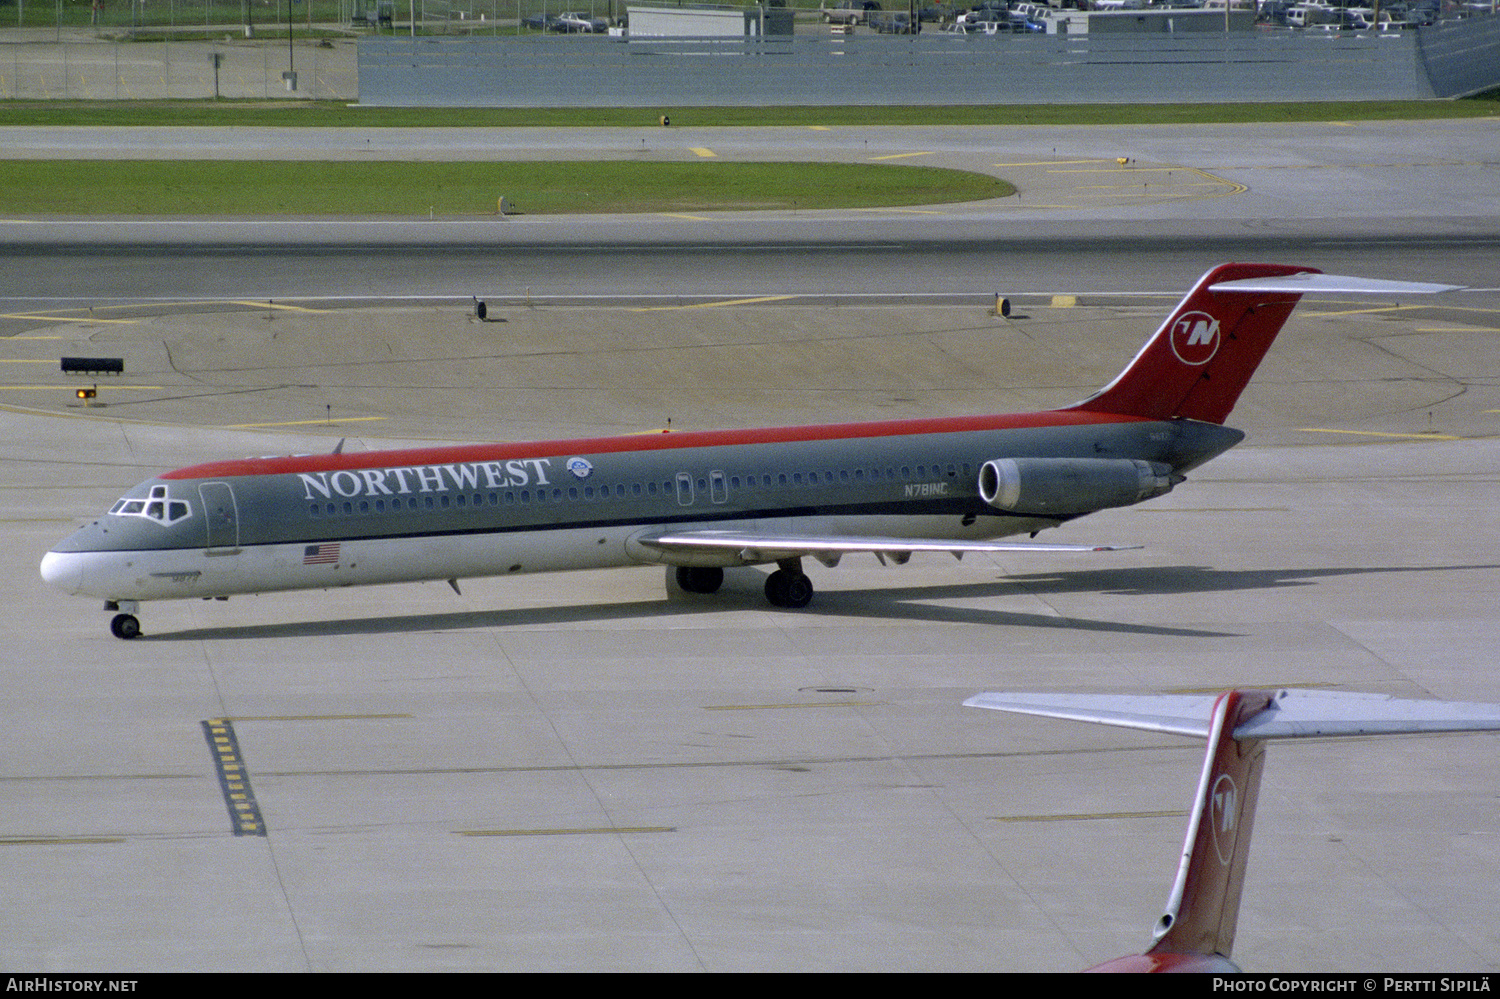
(773, 547)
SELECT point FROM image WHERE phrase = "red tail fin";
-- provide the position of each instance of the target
(1204, 906)
(1204, 354)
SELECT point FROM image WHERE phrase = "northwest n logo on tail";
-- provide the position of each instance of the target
(1195, 338)
(1225, 797)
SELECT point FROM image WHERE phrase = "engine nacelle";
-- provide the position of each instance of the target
(1064, 486)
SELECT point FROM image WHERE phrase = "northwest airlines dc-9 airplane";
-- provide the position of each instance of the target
(699, 501)
(1196, 932)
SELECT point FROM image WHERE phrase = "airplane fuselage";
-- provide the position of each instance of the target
(314, 521)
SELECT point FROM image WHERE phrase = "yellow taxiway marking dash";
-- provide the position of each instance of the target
(275, 305)
(1044, 163)
(1138, 187)
(681, 215)
(900, 156)
(243, 718)
(566, 832)
(58, 840)
(61, 319)
(715, 305)
(902, 211)
(1377, 433)
(1217, 509)
(1171, 814)
(1119, 169)
(1216, 691)
(1362, 312)
(704, 152)
(779, 707)
(304, 423)
(818, 128)
(1064, 301)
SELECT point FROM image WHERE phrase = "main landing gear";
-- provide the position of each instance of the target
(787, 587)
(124, 625)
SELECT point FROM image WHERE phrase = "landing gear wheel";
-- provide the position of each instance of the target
(694, 579)
(785, 588)
(125, 626)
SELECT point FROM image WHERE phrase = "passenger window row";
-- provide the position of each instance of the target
(438, 502)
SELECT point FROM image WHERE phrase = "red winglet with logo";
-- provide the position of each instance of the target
(1202, 357)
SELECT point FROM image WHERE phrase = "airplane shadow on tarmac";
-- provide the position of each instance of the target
(922, 604)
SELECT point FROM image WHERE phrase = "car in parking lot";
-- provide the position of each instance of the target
(897, 23)
(572, 22)
(849, 11)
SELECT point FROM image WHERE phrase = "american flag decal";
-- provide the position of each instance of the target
(321, 554)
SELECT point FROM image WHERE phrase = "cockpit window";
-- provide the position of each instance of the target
(155, 506)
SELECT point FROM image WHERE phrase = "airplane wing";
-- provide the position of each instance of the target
(755, 547)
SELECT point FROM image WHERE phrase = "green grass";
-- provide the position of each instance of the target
(215, 187)
(167, 114)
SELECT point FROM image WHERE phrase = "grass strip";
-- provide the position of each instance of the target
(218, 187)
(288, 113)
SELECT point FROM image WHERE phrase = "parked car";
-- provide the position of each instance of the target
(572, 22)
(898, 23)
(849, 11)
(975, 20)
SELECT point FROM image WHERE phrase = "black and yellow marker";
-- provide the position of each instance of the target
(234, 779)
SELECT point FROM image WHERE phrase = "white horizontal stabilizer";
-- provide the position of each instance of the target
(1178, 714)
(1293, 714)
(1314, 714)
(1308, 284)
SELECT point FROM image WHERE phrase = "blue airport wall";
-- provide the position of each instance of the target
(932, 68)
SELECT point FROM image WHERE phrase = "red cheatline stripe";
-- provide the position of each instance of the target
(639, 442)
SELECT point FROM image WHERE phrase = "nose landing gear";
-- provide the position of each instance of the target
(126, 624)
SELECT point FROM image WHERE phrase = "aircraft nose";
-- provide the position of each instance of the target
(63, 570)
